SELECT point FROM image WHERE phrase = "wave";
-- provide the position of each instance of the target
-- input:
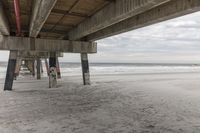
(68, 69)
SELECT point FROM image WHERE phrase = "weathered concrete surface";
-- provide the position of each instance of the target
(10, 71)
(52, 71)
(41, 11)
(32, 54)
(33, 67)
(47, 66)
(169, 10)
(58, 68)
(30, 64)
(85, 69)
(17, 67)
(106, 19)
(38, 67)
(113, 13)
(48, 45)
(4, 26)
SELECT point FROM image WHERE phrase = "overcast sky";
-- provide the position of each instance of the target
(176, 40)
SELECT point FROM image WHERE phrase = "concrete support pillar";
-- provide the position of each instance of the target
(26, 64)
(47, 66)
(58, 68)
(33, 67)
(38, 68)
(10, 70)
(17, 67)
(41, 66)
(52, 71)
(85, 69)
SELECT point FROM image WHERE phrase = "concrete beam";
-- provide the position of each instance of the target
(169, 10)
(46, 45)
(40, 13)
(113, 13)
(4, 26)
(31, 54)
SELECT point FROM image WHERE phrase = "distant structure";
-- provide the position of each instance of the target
(45, 29)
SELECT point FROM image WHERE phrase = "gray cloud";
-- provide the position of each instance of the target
(173, 40)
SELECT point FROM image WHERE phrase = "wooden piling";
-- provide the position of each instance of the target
(85, 69)
(10, 71)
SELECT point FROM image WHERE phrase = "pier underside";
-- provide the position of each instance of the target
(45, 29)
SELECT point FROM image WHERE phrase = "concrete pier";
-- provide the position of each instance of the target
(101, 19)
(52, 71)
(10, 70)
(85, 69)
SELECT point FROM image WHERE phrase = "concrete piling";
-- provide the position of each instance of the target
(17, 68)
(33, 68)
(10, 71)
(58, 68)
(41, 66)
(38, 68)
(47, 66)
(85, 69)
(52, 71)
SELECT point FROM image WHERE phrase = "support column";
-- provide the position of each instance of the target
(26, 64)
(33, 67)
(52, 71)
(38, 68)
(47, 66)
(41, 66)
(10, 70)
(58, 68)
(85, 69)
(17, 67)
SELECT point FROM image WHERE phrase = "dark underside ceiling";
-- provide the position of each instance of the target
(65, 15)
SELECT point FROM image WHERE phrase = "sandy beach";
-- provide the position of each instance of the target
(140, 103)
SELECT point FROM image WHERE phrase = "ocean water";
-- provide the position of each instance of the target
(68, 69)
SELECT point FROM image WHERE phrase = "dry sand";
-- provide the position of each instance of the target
(153, 103)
